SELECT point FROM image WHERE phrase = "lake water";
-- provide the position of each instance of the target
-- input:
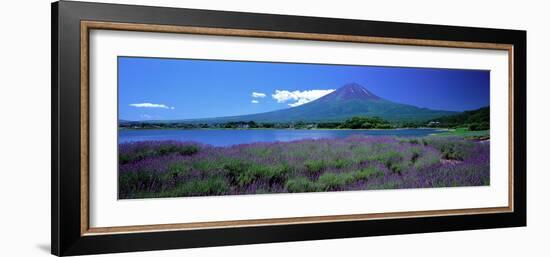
(227, 137)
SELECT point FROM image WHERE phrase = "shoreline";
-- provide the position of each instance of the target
(338, 129)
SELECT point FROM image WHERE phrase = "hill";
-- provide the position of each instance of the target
(473, 120)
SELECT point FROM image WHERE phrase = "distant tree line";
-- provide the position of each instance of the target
(473, 120)
(359, 122)
(352, 123)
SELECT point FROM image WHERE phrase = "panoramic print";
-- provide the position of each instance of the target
(192, 127)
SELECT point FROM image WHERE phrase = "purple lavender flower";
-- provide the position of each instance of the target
(172, 169)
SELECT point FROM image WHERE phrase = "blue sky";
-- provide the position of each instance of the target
(159, 89)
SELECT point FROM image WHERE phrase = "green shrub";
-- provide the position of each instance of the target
(205, 166)
(340, 163)
(393, 160)
(367, 173)
(414, 141)
(246, 173)
(314, 166)
(136, 156)
(300, 184)
(332, 180)
(415, 154)
(235, 166)
(178, 167)
(479, 126)
(426, 159)
(175, 170)
(188, 150)
(245, 178)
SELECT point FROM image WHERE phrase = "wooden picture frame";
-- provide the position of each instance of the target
(71, 25)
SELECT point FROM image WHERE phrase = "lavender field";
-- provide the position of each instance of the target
(152, 169)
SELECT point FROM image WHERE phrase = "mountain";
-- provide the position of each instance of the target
(349, 92)
(348, 101)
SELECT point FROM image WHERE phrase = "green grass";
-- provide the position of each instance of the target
(465, 133)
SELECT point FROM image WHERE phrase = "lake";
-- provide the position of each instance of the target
(227, 137)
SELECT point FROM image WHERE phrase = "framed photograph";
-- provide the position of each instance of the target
(178, 128)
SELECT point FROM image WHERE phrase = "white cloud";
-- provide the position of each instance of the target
(300, 97)
(299, 102)
(255, 101)
(151, 105)
(258, 95)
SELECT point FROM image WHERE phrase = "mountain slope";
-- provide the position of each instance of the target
(348, 101)
(478, 119)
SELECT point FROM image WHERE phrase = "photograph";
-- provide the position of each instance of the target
(179, 126)
(193, 127)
